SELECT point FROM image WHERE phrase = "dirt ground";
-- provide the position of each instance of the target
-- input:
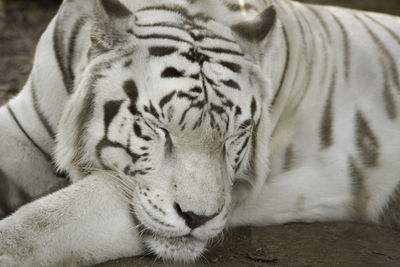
(298, 245)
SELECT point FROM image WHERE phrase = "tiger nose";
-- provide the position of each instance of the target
(192, 219)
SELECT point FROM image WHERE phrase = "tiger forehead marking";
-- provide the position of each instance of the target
(192, 72)
(182, 85)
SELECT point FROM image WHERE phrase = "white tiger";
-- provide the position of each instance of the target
(176, 119)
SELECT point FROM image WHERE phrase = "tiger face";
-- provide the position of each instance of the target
(170, 111)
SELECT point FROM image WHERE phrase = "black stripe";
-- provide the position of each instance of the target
(150, 127)
(232, 66)
(71, 46)
(253, 107)
(238, 111)
(298, 22)
(321, 20)
(285, 34)
(197, 123)
(46, 155)
(232, 84)
(246, 124)
(111, 109)
(193, 55)
(182, 120)
(367, 143)
(196, 89)
(305, 55)
(219, 50)
(138, 132)
(246, 141)
(218, 93)
(299, 63)
(161, 51)
(325, 44)
(166, 99)
(152, 110)
(162, 36)
(381, 45)
(389, 31)
(390, 104)
(128, 63)
(171, 72)
(169, 145)
(326, 128)
(195, 76)
(40, 114)
(193, 27)
(346, 44)
(240, 152)
(204, 83)
(310, 61)
(217, 109)
(187, 96)
(358, 190)
(59, 54)
(288, 160)
(132, 92)
(5, 194)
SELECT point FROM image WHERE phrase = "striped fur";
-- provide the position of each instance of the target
(175, 120)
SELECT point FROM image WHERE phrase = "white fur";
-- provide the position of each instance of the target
(107, 214)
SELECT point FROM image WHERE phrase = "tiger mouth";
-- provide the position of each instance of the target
(184, 249)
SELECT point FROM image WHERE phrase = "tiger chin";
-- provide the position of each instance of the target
(174, 249)
(168, 231)
(180, 249)
(177, 236)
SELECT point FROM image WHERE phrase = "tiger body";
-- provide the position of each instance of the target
(175, 120)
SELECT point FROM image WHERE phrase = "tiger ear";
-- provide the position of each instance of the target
(252, 33)
(113, 8)
(107, 28)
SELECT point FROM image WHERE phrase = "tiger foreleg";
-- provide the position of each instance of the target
(84, 224)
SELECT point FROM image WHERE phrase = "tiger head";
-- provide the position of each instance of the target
(168, 104)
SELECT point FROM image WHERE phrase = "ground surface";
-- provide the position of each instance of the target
(300, 245)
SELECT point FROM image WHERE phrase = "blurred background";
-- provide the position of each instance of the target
(388, 6)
